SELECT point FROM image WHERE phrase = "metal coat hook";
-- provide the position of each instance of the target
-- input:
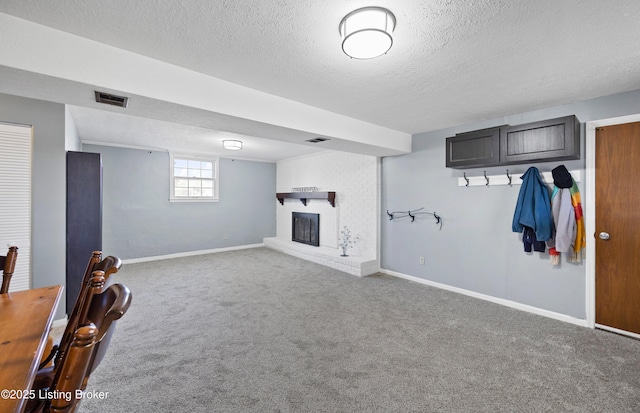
(509, 177)
(487, 178)
(438, 220)
(412, 214)
(464, 175)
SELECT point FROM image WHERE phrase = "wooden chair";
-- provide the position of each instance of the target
(8, 263)
(108, 266)
(46, 371)
(51, 350)
(86, 351)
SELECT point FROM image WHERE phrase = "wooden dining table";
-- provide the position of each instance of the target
(25, 321)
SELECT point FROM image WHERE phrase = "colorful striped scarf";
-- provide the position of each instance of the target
(579, 243)
(581, 238)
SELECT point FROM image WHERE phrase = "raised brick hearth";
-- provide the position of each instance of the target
(327, 256)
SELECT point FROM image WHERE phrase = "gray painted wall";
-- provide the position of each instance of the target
(139, 221)
(476, 250)
(48, 186)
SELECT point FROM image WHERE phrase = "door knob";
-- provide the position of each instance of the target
(603, 235)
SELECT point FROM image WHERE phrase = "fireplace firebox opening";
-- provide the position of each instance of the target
(305, 228)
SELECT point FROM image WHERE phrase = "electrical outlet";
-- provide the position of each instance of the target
(421, 260)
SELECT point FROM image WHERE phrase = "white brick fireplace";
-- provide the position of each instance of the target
(355, 179)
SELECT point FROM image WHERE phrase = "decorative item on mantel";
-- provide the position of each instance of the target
(305, 189)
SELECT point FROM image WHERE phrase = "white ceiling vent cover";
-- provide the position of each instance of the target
(109, 99)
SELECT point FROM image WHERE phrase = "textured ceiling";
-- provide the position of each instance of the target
(452, 62)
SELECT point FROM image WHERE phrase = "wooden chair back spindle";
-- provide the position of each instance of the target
(9, 267)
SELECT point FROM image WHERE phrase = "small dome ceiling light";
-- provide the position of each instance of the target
(366, 32)
(232, 145)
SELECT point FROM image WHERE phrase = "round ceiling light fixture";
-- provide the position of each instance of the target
(232, 145)
(366, 32)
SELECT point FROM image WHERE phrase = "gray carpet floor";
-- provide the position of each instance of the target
(259, 331)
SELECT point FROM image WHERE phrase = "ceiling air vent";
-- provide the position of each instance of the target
(317, 140)
(110, 99)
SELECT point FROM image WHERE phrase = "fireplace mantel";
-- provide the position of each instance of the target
(304, 196)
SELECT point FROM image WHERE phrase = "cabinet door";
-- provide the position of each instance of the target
(473, 149)
(549, 140)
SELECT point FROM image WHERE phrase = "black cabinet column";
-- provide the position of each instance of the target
(84, 217)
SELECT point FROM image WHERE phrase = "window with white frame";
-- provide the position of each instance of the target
(194, 178)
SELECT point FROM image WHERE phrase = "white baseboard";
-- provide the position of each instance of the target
(59, 323)
(189, 253)
(618, 331)
(501, 301)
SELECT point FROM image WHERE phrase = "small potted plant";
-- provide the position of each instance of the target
(346, 241)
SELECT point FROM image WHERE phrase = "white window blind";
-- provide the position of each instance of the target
(15, 199)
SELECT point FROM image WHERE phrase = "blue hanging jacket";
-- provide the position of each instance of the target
(533, 208)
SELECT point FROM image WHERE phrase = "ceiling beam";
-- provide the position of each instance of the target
(36, 48)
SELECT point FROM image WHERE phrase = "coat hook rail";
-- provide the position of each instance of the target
(482, 179)
(412, 214)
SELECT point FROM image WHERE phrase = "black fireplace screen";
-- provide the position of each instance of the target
(305, 228)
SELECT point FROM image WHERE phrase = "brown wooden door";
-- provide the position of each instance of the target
(618, 215)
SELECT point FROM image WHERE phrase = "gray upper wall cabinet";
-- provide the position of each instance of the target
(471, 149)
(548, 140)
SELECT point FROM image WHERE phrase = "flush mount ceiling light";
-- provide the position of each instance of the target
(232, 145)
(366, 32)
